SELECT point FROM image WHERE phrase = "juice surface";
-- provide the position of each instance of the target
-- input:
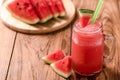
(87, 48)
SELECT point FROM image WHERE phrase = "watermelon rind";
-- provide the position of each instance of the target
(46, 60)
(18, 17)
(46, 19)
(62, 14)
(85, 12)
(57, 71)
(56, 15)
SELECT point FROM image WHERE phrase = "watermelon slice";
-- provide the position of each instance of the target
(22, 10)
(85, 16)
(53, 8)
(60, 7)
(63, 67)
(42, 10)
(55, 56)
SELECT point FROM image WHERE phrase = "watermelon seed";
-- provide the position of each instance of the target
(17, 3)
(20, 8)
(34, 7)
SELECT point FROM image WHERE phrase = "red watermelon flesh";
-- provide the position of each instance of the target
(53, 8)
(63, 67)
(60, 7)
(42, 10)
(55, 56)
(85, 20)
(22, 10)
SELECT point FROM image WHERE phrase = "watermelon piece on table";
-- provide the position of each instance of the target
(60, 7)
(53, 8)
(85, 16)
(42, 10)
(63, 67)
(22, 10)
(55, 56)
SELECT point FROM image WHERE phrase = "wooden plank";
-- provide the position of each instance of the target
(7, 38)
(26, 63)
(111, 29)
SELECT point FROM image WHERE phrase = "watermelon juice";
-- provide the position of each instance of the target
(87, 48)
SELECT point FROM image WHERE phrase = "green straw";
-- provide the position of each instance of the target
(97, 11)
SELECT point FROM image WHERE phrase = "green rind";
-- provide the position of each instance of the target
(46, 60)
(56, 15)
(62, 14)
(62, 74)
(86, 11)
(46, 19)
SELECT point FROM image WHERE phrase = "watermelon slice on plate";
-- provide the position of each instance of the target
(85, 16)
(55, 56)
(53, 8)
(42, 10)
(52, 25)
(22, 10)
(63, 67)
(60, 7)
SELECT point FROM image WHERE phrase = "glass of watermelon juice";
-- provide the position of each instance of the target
(87, 48)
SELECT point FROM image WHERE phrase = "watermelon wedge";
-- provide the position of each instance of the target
(42, 10)
(60, 7)
(53, 8)
(63, 67)
(22, 10)
(55, 56)
(85, 16)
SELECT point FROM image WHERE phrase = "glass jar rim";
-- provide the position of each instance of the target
(76, 29)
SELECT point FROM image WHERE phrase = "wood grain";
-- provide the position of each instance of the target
(7, 38)
(26, 63)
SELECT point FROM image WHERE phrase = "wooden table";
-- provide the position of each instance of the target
(20, 54)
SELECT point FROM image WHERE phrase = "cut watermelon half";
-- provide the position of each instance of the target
(53, 8)
(85, 16)
(55, 56)
(60, 7)
(42, 10)
(63, 67)
(22, 10)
